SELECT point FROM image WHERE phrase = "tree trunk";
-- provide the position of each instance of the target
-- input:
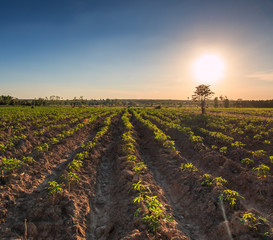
(203, 106)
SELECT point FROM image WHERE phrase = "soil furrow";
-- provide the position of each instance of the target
(151, 155)
(99, 206)
(107, 206)
(189, 229)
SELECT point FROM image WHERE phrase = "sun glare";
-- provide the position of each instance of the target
(208, 68)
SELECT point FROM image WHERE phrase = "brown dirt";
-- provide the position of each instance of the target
(24, 192)
(101, 205)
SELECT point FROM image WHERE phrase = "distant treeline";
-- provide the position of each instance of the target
(58, 101)
(76, 102)
(252, 103)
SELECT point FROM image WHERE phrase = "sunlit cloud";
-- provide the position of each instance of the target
(264, 76)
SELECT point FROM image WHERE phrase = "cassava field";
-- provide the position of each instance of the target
(117, 173)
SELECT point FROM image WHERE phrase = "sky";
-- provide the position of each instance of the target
(134, 49)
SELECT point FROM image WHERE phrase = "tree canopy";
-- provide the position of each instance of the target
(202, 94)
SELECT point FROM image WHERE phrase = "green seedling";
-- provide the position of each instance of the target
(81, 156)
(128, 148)
(71, 177)
(154, 210)
(90, 145)
(207, 180)
(266, 234)
(247, 161)
(238, 144)
(155, 213)
(29, 160)
(230, 196)
(39, 148)
(54, 141)
(60, 136)
(3, 147)
(131, 158)
(75, 165)
(127, 137)
(54, 188)
(258, 154)
(220, 181)
(43, 147)
(250, 220)
(258, 137)
(189, 167)
(140, 167)
(8, 165)
(196, 139)
(169, 144)
(261, 170)
(223, 150)
(141, 189)
(41, 131)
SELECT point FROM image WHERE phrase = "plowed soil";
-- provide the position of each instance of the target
(101, 205)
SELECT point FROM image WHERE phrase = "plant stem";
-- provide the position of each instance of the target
(25, 235)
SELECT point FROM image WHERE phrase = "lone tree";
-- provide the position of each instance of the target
(226, 102)
(216, 102)
(202, 94)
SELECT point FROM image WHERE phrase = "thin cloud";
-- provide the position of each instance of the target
(264, 76)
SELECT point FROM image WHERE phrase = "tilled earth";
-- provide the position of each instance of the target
(101, 205)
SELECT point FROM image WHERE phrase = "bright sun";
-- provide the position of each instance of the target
(208, 68)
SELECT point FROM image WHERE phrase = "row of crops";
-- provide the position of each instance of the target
(53, 155)
(261, 112)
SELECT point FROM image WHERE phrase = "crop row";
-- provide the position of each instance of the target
(258, 160)
(232, 197)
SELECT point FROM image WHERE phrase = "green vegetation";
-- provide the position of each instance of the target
(249, 219)
(247, 161)
(153, 213)
(202, 94)
(188, 167)
(262, 170)
(54, 188)
(8, 165)
(140, 167)
(241, 135)
(207, 180)
(230, 196)
(29, 160)
(220, 181)
(71, 177)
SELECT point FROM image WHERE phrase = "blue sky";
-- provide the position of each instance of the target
(133, 48)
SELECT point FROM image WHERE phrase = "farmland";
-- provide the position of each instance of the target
(136, 173)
